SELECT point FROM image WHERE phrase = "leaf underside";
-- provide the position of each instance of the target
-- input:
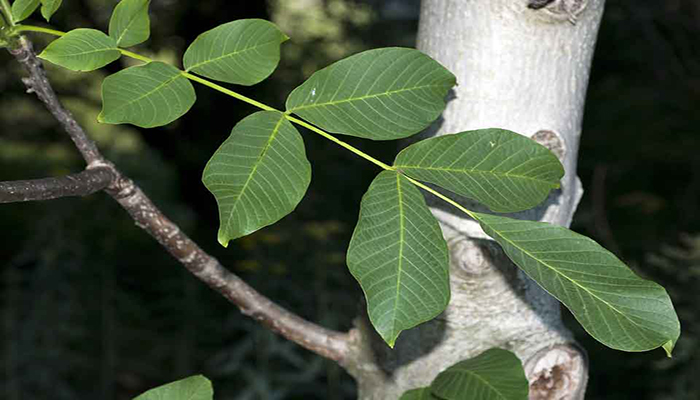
(148, 95)
(22, 9)
(82, 50)
(130, 24)
(242, 52)
(501, 169)
(614, 305)
(258, 175)
(495, 374)
(399, 257)
(49, 7)
(380, 94)
(193, 388)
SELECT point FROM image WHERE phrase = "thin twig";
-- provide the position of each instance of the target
(82, 184)
(331, 344)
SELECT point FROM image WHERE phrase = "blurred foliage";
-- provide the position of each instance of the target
(93, 308)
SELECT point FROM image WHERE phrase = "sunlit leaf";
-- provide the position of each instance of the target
(612, 303)
(82, 50)
(503, 170)
(399, 257)
(380, 94)
(258, 175)
(418, 394)
(193, 388)
(243, 52)
(495, 374)
(49, 7)
(129, 24)
(22, 9)
(148, 95)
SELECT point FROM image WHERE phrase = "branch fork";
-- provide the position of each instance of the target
(100, 174)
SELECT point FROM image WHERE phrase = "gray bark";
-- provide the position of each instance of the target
(521, 66)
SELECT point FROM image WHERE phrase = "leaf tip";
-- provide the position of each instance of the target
(223, 239)
(668, 347)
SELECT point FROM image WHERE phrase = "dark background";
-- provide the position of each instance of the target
(93, 308)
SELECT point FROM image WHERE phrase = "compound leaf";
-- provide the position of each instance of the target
(22, 9)
(258, 175)
(613, 304)
(49, 7)
(505, 171)
(130, 24)
(193, 388)
(399, 257)
(380, 94)
(149, 95)
(82, 50)
(242, 52)
(495, 374)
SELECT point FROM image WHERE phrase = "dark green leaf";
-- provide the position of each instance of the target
(418, 394)
(399, 257)
(380, 94)
(82, 50)
(193, 388)
(505, 171)
(612, 303)
(22, 9)
(130, 24)
(49, 7)
(495, 374)
(258, 175)
(243, 52)
(148, 95)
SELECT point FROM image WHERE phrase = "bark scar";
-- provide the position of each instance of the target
(560, 10)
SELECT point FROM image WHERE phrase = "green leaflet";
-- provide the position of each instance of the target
(195, 387)
(129, 24)
(418, 394)
(380, 94)
(495, 374)
(242, 52)
(148, 95)
(505, 171)
(258, 175)
(615, 306)
(22, 9)
(399, 257)
(82, 50)
(49, 7)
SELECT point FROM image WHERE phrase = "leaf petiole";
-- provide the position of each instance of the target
(7, 12)
(32, 28)
(219, 88)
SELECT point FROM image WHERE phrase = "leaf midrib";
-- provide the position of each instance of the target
(399, 271)
(131, 21)
(365, 97)
(235, 53)
(566, 277)
(258, 161)
(157, 88)
(486, 382)
(467, 171)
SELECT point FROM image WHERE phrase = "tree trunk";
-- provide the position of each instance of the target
(525, 69)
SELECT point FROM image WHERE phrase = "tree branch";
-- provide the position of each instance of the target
(331, 344)
(38, 83)
(82, 184)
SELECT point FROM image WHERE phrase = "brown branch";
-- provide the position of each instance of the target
(331, 344)
(38, 83)
(82, 184)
